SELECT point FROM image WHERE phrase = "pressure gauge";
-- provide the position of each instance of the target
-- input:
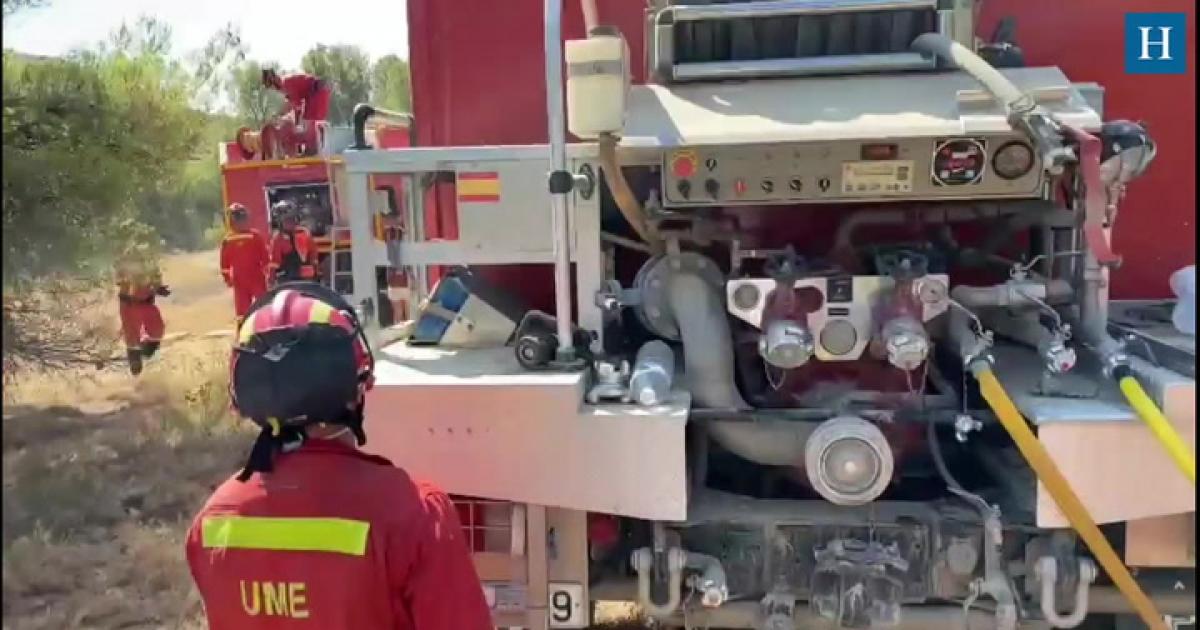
(931, 291)
(958, 162)
(1013, 160)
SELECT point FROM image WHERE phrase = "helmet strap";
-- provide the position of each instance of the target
(268, 443)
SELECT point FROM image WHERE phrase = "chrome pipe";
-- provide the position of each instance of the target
(775, 8)
(558, 163)
(831, 64)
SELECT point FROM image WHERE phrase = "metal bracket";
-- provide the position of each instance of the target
(585, 182)
(612, 383)
(614, 297)
(778, 610)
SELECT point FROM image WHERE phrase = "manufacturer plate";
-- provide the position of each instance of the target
(566, 606)
(503, 597)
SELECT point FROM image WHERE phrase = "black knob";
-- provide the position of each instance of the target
(823, 184)
(767, 186)
(710, 164)
(711, 186)
(685, 188)
(795, 184)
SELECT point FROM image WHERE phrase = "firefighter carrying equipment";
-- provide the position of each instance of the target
(308, 99)
(312, 545)
(1064, 496)
(244, 263)
(273, 381)
(139, 283)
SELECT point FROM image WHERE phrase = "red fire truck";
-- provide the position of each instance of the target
(260, 168)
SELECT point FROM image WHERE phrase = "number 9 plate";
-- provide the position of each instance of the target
(566, 606)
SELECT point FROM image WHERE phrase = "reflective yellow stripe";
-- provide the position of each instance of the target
(247, 330)
(320, 313)
(332, 535)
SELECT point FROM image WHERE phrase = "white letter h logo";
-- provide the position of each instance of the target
(1164, 44)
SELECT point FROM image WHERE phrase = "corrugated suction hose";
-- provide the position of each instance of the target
(1166, 434)
(1058, 487)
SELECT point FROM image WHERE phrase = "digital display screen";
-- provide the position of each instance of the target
(880, 151)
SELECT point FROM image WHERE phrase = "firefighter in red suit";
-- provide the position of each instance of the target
(306, 99)
(314, 533)
(139, 283)
(293, 254)
(244, 260)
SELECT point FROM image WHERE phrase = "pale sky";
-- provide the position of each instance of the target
(273, 30)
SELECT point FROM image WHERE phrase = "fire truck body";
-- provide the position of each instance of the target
(784, 293)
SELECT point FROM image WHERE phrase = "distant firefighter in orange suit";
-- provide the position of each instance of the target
(139, 283)
(244, 261)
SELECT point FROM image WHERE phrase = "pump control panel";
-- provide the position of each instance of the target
(996, 166)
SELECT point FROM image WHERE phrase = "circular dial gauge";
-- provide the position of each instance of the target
(1013, 160)
(958, 162)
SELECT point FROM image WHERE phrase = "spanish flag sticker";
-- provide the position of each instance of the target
(478, 187)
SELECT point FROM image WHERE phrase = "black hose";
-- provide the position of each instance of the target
(362, 113)
(952, 484)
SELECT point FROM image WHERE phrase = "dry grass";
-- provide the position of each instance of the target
(101, 478)
(103, 473)
(96, 502)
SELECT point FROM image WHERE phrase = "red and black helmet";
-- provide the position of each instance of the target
(238, 212)
(300, 358)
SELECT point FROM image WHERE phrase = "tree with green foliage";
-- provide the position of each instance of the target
(215, 65)
(347, 68)
(86, 138)
(254, 103)
(390, 84)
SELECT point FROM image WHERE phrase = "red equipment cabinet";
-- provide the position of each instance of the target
(477, 73)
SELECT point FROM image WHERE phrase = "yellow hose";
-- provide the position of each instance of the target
(1058, 487)
(1162, 429)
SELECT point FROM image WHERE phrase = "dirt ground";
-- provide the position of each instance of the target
(101, 477)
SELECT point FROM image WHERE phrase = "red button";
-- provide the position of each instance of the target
(739, 187)
(683, 166)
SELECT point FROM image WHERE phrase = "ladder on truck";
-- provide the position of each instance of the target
(341, 273)
(341, 276)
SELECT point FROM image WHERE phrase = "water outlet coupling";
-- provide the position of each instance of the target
(906, 343)
(786, 344)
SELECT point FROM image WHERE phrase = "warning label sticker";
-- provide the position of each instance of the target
(877, 177)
